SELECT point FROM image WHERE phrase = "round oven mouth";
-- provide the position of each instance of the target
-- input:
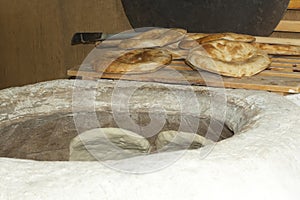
(41, 126)
(47, 138)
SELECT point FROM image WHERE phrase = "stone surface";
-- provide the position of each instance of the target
(107, 144)
(174, 141)
(261, 161)
(295, 98)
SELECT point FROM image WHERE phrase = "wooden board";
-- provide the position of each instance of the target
(294, 4)
(274, 40)
(282, 76)
(36, 36)
(288, 26)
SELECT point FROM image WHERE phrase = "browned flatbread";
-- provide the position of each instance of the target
(279, 49)
(135, 62)
(238, 63)
(189, 44)
(227, 36)
(195, 36)
(153, 38)
(228, 51)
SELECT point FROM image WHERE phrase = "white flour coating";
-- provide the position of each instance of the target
(295, 98)
(261, 163)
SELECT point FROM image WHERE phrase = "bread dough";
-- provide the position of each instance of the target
(107, 144)
(174, 140)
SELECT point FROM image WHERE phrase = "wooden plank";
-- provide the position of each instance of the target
(269, 81)
(277, 70)
(288, 26)
(280, 74)
(290, 65)
(293, 60)
(281, 69)
(294, 4)
(274, 40)
(282, 66)
(285, 69)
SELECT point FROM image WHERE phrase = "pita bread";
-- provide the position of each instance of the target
(238, 67)
(190, 44)
(135, 62)
(195, 36)
(228, 51)
(153, 38)
(278, 49)
(227, 36)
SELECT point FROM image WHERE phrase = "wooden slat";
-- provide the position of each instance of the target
(283, 67)
(276, 81)
(288, 26)
(294, 4)
(286, 60)
(180, 65)
(290, 65)
(280, 74)
(273, 40)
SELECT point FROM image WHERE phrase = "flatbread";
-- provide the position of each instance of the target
(195, 36)
(153, 38)
(190, 44)
(228, 51)
(177, 53)
(135, 62)
(278, 49)
(247, 67)
(227, 36)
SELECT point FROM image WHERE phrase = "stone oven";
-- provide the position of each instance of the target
(258, 146)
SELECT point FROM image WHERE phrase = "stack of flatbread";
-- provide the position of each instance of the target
(144, 53)
(228, 54)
